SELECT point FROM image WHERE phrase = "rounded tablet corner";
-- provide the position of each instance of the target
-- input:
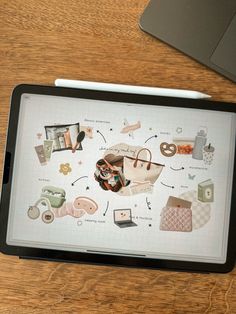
(228, 267)
(3, 250)
(140, 22)
(3, 246)
(18, 90)
(143, 16)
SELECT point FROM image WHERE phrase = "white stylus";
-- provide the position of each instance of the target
(131, 89)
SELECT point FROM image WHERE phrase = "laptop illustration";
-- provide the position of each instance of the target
(123, 218)
(204, 30)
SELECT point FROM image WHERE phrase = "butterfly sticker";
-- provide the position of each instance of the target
(191, 176)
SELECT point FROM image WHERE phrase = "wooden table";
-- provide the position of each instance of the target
(98, 41)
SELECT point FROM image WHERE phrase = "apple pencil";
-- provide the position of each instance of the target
(131, 89)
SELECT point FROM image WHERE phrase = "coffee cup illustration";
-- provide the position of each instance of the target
(208, 154)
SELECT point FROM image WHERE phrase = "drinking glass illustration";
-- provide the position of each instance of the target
(208, 154)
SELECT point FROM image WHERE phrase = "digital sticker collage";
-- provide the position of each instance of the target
(127, 170)
(123, 177)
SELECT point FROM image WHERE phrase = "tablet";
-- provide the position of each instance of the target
(120, 179)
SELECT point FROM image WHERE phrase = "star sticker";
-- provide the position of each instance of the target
(179, 130)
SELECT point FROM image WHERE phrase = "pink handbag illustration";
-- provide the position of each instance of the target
(176, 215)
(140, 170)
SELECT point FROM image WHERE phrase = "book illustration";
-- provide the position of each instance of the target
(201, 212)
(208, 154)
(176, 215)
(123, 218)
(199, 143)
(168, 150)
(206, 191)
(65, 169)
(129, 128)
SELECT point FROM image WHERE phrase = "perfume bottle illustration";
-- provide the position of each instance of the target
(199, 143)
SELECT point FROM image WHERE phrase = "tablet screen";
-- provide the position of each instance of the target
(125, 179)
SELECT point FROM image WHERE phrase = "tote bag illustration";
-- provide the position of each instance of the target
(140, 170)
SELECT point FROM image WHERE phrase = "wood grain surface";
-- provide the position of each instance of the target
(41, 40)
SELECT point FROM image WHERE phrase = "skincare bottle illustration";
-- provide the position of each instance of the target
(199, 143)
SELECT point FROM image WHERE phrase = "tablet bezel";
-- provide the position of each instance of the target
(93, 258)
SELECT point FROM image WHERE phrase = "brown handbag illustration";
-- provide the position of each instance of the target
(176, 215)
(140, 170)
